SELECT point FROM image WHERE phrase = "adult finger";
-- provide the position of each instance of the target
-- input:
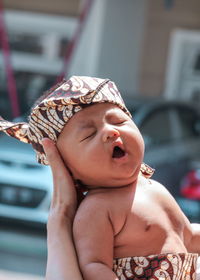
(61, 176)
(64, 193)
(55, 161)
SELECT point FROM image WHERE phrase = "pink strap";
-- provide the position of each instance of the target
(11, 83)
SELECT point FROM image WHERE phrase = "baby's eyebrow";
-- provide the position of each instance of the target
(114, 114)
(85, 124)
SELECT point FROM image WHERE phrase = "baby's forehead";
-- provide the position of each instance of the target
(86, 117)
(97, 111)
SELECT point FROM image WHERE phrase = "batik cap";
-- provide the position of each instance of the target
(55, 108)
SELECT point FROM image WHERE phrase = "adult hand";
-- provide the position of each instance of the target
(64, 199)
(62, 260)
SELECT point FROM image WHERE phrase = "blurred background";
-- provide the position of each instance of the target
(150, 48)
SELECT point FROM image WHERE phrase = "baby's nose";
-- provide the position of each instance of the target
(110, 133)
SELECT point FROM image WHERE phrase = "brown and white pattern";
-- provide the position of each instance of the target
(157, 267)
(53, 111)
(17, 130)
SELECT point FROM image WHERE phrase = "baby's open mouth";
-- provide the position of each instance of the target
(118, 152)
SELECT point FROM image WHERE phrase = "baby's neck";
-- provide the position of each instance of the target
(97, 189)
(91, 188)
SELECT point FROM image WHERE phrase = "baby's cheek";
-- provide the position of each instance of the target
(138, 142)
(141, 140)
(91, 150)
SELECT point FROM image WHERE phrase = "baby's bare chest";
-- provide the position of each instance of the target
(144, 215)
(150, 221)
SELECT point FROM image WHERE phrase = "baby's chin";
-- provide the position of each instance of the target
(107, 183)
(113, 181)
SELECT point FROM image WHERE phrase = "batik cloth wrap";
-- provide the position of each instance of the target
(198, 269)
(157, 267)
(54, 109)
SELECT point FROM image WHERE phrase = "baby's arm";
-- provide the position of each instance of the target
(94, 239)
(193, 243)
(191, 232)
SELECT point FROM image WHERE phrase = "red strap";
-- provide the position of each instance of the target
(11, 83)
(73, 42)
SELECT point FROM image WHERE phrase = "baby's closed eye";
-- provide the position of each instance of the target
(88, 135)
(118, 122)
(117, 119)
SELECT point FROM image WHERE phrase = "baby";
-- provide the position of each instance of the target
(128, 226)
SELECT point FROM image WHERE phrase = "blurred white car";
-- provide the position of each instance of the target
(25, 185)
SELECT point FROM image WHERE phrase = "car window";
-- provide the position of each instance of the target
(156, 127)
(190, 123)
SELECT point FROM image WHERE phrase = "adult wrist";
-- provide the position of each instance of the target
(59, 220)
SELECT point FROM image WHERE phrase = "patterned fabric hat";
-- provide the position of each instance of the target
(54, 109)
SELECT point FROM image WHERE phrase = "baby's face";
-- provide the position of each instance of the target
(102, 146)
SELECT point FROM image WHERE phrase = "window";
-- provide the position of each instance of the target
(38, 43)
(25, 42)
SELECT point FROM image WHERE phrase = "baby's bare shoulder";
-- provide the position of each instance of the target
(102, 207)
(156, 184)
(96, 203)
(163, 197)
(159, 195)
(158, 188)
(93, 213)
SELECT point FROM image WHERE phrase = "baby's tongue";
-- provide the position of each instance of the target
(118, 152)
